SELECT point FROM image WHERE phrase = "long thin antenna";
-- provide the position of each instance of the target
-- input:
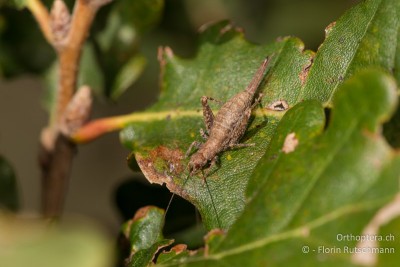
(173, 195)
(209, 192)
(213, 204)
(169, 204)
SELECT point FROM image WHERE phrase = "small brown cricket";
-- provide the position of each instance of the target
(225, 130)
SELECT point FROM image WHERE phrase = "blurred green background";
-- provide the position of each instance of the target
(100, 167)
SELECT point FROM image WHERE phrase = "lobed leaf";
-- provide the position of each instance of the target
(364, 36)
(144, 233)
(332, 184)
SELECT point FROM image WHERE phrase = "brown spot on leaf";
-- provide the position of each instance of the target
(304, 72)
(290, 143)
(160, 164)
(279, 105)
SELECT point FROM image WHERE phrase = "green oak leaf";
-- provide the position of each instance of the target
(144, 233)
(364, 36)
(331, 183)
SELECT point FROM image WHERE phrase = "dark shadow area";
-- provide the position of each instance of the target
(135, 193)
(391, 130)
(328, 114)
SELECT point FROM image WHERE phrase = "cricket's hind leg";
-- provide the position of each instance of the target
(208, 115)
(235, 146)
(240, 129)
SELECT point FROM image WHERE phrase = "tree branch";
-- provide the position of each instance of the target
(69, 55)
(67, 35)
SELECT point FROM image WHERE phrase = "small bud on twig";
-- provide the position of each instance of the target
(77, 112)
(60, 22)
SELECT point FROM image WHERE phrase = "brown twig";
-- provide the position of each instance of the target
(56, 167)
(67, 36)
(69, 55)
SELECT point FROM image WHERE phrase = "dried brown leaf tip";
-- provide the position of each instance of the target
(77, 112)
(179, 248)
(141, 213)
(329, 28)
(60, 22)
(171, 166)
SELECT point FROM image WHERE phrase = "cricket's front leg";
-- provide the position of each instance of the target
(203, 134)
(257, 100)
(206, 173)
(195, 144)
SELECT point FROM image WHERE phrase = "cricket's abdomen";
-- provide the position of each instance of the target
(229, 125)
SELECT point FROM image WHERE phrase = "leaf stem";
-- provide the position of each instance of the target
(99, 127)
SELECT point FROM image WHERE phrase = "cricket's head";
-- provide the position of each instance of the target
(196, 163)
